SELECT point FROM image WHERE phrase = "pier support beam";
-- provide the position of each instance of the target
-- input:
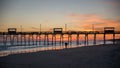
(8, 37)
(113, 38)
(104, 38)
(77, 42)
(94, 42)
(32, 39)
(15, 40)
(62, 39)
(4, 40)
(70, 39)
(36, 40)
(53, 39)
(86, 39)
(29, 39)
(40, 39)
(23, 40)
(47, 39)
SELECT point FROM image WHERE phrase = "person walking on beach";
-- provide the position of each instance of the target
(66, 44)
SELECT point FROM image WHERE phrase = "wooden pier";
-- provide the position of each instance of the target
(32, 38)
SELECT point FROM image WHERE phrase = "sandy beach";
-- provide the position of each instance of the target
(102, 56)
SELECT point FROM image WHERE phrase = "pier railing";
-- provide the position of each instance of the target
(65, 32)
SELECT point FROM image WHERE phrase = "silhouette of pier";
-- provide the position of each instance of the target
(32, 38)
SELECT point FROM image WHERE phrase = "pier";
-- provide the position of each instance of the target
(32, 38)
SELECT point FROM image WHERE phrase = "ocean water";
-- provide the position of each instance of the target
(15, 49)
(6, 48)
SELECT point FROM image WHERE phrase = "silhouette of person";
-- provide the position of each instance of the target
(66, 45)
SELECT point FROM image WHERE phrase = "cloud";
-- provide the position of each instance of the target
(85, 21)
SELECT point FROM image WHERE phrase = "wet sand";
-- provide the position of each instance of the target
(102, 56)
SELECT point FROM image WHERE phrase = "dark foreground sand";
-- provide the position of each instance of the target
(107, 56)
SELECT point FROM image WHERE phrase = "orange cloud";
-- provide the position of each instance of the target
(85, 21)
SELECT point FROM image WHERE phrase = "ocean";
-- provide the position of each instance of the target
(6, 48)
(15, 49)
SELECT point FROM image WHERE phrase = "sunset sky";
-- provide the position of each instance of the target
(77, 14)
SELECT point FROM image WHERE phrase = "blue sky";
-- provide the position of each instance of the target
(53, 13)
